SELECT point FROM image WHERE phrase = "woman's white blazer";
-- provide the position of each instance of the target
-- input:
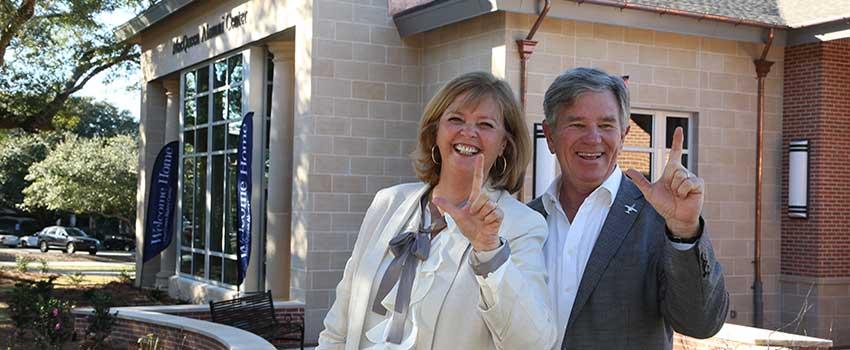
(455, 315)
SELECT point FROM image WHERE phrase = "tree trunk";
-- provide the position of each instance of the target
(11, 29)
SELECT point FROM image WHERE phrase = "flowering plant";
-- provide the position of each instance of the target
(53, 324)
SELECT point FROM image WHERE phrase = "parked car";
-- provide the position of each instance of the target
(119, 243)
(69, 239)
(12, 228)
(9, 239)
(30, 241)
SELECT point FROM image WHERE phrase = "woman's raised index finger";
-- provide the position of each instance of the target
(477, 179)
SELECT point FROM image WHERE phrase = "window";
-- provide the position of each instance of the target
(649, 140)
(212, 109)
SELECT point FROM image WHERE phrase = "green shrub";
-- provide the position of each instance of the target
(21, 262)
(24, 299)
(100, 321)
(125, 277)
(77, 279)
(43, 263)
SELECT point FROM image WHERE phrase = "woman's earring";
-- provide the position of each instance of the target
(504, 165)
(433, 157)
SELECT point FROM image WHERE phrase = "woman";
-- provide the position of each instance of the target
(454, 262)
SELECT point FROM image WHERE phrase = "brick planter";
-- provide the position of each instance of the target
(183, 327)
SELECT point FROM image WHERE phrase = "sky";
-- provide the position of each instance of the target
(115, 92)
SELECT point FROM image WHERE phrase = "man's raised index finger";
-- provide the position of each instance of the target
(676, 148)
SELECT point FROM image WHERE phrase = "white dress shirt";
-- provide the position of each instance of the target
(377, 325)
(569, 245)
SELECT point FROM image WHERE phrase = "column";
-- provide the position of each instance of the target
(168, 257)
(151, 125)
(279, 211)
(254, 90)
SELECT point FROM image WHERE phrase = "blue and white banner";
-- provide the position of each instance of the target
(243, 186)
(162, 197)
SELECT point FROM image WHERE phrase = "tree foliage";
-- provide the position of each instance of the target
(83, 116)
(91, 176)
(17, 153)
(50, 50)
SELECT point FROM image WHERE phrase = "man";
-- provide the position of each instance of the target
(629, 261)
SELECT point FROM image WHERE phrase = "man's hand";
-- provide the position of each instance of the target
(479, 218)
(677, 195)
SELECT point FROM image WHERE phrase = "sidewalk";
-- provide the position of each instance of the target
(61, 265)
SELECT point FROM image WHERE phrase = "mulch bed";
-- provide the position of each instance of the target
(123, 294)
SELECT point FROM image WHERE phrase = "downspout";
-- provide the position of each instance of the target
(762, 68)
(526, 48)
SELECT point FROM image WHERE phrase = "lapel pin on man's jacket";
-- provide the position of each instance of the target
(630, 209)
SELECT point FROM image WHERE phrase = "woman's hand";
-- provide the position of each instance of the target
(478, 218)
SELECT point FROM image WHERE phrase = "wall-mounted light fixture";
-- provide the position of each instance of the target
(798, 179)
(545, 163)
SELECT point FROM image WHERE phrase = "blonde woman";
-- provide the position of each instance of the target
(452, 262)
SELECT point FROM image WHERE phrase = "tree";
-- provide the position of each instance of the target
(83, 116)
(87, 176)
(50, 50)
(17, 153)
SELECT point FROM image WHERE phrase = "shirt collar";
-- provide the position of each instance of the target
(610, 185)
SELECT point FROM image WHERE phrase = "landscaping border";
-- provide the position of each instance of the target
(184, 327)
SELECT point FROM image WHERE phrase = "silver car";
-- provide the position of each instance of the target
(10, 240)
(30, 241)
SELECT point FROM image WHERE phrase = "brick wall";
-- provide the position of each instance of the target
(126, 332)
(815, 258)
(816, 108)
(364, 114)
(364, 109)
(463, 47)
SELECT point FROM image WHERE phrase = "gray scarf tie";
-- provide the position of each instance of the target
(408, 248)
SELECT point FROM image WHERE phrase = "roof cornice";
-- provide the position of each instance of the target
(147, 18)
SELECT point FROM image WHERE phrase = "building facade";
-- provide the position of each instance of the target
(337, 88)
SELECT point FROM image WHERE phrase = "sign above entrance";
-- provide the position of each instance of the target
(207, 32)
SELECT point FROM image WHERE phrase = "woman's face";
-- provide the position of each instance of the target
(466, 130)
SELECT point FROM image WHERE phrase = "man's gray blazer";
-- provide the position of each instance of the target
(637, 289)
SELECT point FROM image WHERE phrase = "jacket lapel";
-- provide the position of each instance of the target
(615, 229)
(362, 285)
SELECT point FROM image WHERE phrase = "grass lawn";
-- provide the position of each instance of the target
(71, 288)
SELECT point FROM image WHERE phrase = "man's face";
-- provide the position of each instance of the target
(587, 138)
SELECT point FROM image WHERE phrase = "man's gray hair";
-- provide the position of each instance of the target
(568, 86)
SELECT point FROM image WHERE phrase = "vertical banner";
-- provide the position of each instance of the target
(243, 185)
(162, 197)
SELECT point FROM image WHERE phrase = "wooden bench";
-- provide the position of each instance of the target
(255, 313)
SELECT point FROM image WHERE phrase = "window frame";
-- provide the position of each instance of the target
(210, 155)
(658, 149)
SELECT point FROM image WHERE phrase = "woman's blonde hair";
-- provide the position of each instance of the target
(475, 87)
